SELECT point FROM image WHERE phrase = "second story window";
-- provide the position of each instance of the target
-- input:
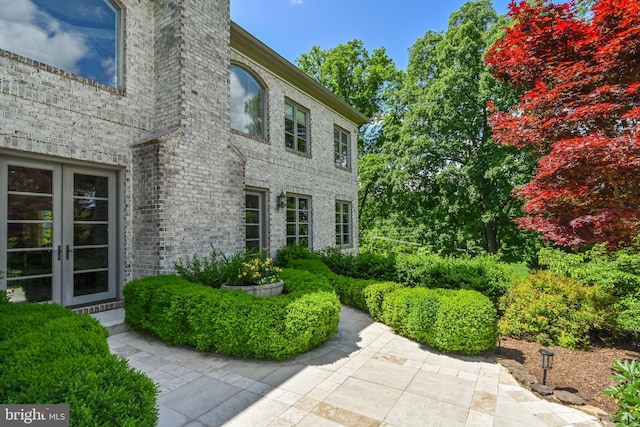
(81, 37)
(296, 128)
(247, 103)
(342, 148)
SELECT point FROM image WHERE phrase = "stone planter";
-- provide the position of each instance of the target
(270, 290)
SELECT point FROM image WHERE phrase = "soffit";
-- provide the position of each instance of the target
(248, 45)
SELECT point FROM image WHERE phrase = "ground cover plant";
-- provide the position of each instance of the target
(50, 355)
(234, 322)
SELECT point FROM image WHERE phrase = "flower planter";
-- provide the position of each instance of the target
(269, 290)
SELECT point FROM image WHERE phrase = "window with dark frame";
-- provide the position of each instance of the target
(85, 41)
(343, 224)
(296, 127)
(299, 220)
(247, 102)
(342, 148)
(255, 221)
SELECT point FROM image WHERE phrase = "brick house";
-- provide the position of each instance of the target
(136, 132)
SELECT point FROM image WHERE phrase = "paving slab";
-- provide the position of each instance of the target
(366, 375)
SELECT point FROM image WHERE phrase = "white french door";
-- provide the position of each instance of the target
(59, 232)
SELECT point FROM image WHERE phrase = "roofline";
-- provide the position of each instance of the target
(243, 42)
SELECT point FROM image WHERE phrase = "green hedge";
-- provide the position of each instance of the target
(450, 320)
(484, 274)
(365, 265)
(50, 355)
(234, 322)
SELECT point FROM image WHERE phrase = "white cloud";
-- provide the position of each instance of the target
(109, 67)
(239, 96)
(20, 34)
(296, 2)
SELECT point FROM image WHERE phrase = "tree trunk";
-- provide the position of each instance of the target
(490, 237)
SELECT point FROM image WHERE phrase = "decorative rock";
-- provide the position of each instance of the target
(543, 390)
(569, 398)
(523, 375)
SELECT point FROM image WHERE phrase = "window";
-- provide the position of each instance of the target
(255, 229)
(296, 125)
(342, 148)
(78, 36)
(298, 220)
(343, 224)
(247, 102)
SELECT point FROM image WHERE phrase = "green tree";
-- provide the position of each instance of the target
(366, 81)
(451, 179)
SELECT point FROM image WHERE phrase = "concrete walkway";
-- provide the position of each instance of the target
(365, 376)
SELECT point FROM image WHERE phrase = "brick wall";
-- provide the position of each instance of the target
(182, 171)
(272, 167)
(53, 115)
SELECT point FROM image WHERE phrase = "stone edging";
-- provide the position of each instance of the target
(527, 379)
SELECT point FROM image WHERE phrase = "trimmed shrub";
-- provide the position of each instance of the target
(365, 265)
(234, 322)
(48, 354)
(314, 266)
(556, 310)
(450, 320)
(484, 274)
(288, 253)
(402, 311)
(374, 296)
(466, 321)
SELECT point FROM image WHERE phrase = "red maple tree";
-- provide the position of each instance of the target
(581, 112)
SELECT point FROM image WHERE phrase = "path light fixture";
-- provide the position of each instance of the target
(546, 363)
(282, 201)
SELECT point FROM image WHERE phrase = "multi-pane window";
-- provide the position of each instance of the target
(296, 127)
(343, 224)
(342, 148)
(80, 37)
(255, 227)
(298, 220)
(247, 102)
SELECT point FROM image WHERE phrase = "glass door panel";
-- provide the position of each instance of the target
(90, 235)
(28, 212)
(57, 232)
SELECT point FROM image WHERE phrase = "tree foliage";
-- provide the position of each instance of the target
(450, 178)
(352, 73)
(365, 80)
(580, 74)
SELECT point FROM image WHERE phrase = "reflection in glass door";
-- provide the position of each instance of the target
(60, 239)
(29, 209)
(88, 236)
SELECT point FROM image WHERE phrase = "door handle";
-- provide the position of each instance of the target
(59, 252)
(69, 250)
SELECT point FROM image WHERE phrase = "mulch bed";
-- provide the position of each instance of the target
(583, 372)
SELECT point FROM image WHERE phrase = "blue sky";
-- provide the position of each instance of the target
(292, 27)
(74, 35)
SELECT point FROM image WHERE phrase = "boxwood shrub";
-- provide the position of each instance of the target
(450, 320)
(50, 355)
(234, 322)
(484, 274)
